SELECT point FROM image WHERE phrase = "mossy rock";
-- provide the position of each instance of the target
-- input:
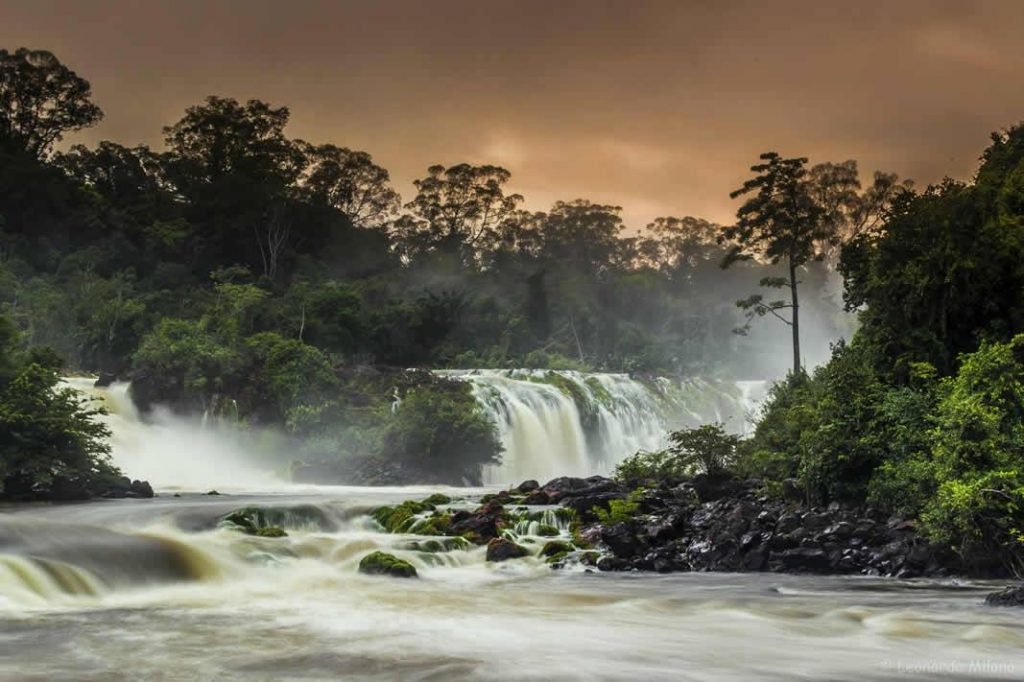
(437, 499)
(252, 521)
(437, 523)
(546, 531)
(271, 532)
(438, 546)
(557, 560)
(553, 547)
(397, 519)
(382, 563)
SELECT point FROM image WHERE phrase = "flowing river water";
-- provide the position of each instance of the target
(157, 590)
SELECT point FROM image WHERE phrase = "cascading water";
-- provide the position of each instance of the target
(173, 452)
(577, 424)
(163, 588)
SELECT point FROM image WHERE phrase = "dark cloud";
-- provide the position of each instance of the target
(655, 106)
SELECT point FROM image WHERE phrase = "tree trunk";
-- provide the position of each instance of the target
(796, 319)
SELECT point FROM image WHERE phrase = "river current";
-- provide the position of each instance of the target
(152, 589)
(158, 590)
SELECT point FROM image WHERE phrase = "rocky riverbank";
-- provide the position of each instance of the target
(699, 525)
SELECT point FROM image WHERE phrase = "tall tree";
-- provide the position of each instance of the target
(780, 222)
(351, 182)
(40, 101)
(237, 171)
(457, 209)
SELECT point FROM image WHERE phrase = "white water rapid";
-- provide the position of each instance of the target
(162, 589)
(576, 424)
(178, 453)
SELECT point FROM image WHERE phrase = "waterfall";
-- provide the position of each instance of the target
(563, 423)
(175, 452)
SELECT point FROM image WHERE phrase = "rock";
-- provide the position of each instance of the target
(791, 490)
(270, 532)
(437, 499)
(537, 498)
(104, 380)
(553, 547)
(805, 560)
(381, 563)
(584, 504)
(213, 492)
(546, 531)
(500, 549)
(481, 525)
(609, 563)
(528, 487)
(622, 540)
(1009, 596)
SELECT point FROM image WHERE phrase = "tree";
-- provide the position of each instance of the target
(40, 101)
(237, 171)
(457, 210)
(946, 268)
(351, 182)
(847, 210)
(51, 445)
(781, 222)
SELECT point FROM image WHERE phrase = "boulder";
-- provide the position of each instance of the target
(528, 487)
(500, 549)
(1009, 596)
(622, 540)
(381, 563)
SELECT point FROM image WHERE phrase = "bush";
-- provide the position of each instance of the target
(707, 449)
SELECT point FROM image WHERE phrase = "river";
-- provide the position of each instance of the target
(151, 589)
(158, 590)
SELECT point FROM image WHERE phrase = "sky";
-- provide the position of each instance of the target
(658, 107)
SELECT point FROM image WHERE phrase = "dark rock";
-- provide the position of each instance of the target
(622, 540)
(528, 486)
(213, 492)
(805, 560)
(105, 379)
(585, 504)
(481, 525)
(792, 491)
(500, 549)
(537, 498)
(609, 563)
(1009, 596)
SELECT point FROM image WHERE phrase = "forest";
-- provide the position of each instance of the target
(291, 279)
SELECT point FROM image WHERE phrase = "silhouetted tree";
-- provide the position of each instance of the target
(40, 100)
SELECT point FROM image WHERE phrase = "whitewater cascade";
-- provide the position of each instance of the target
(175, 452)
(564, 423)
(550, 423)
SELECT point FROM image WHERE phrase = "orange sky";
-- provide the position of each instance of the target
(659, 107)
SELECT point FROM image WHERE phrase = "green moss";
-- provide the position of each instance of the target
(558, 558)
(397, 519)
(438, 546)
(599, 392)
(437, 523)
(546, 531)
(381, 563)
(553, 547)
(437, 499)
